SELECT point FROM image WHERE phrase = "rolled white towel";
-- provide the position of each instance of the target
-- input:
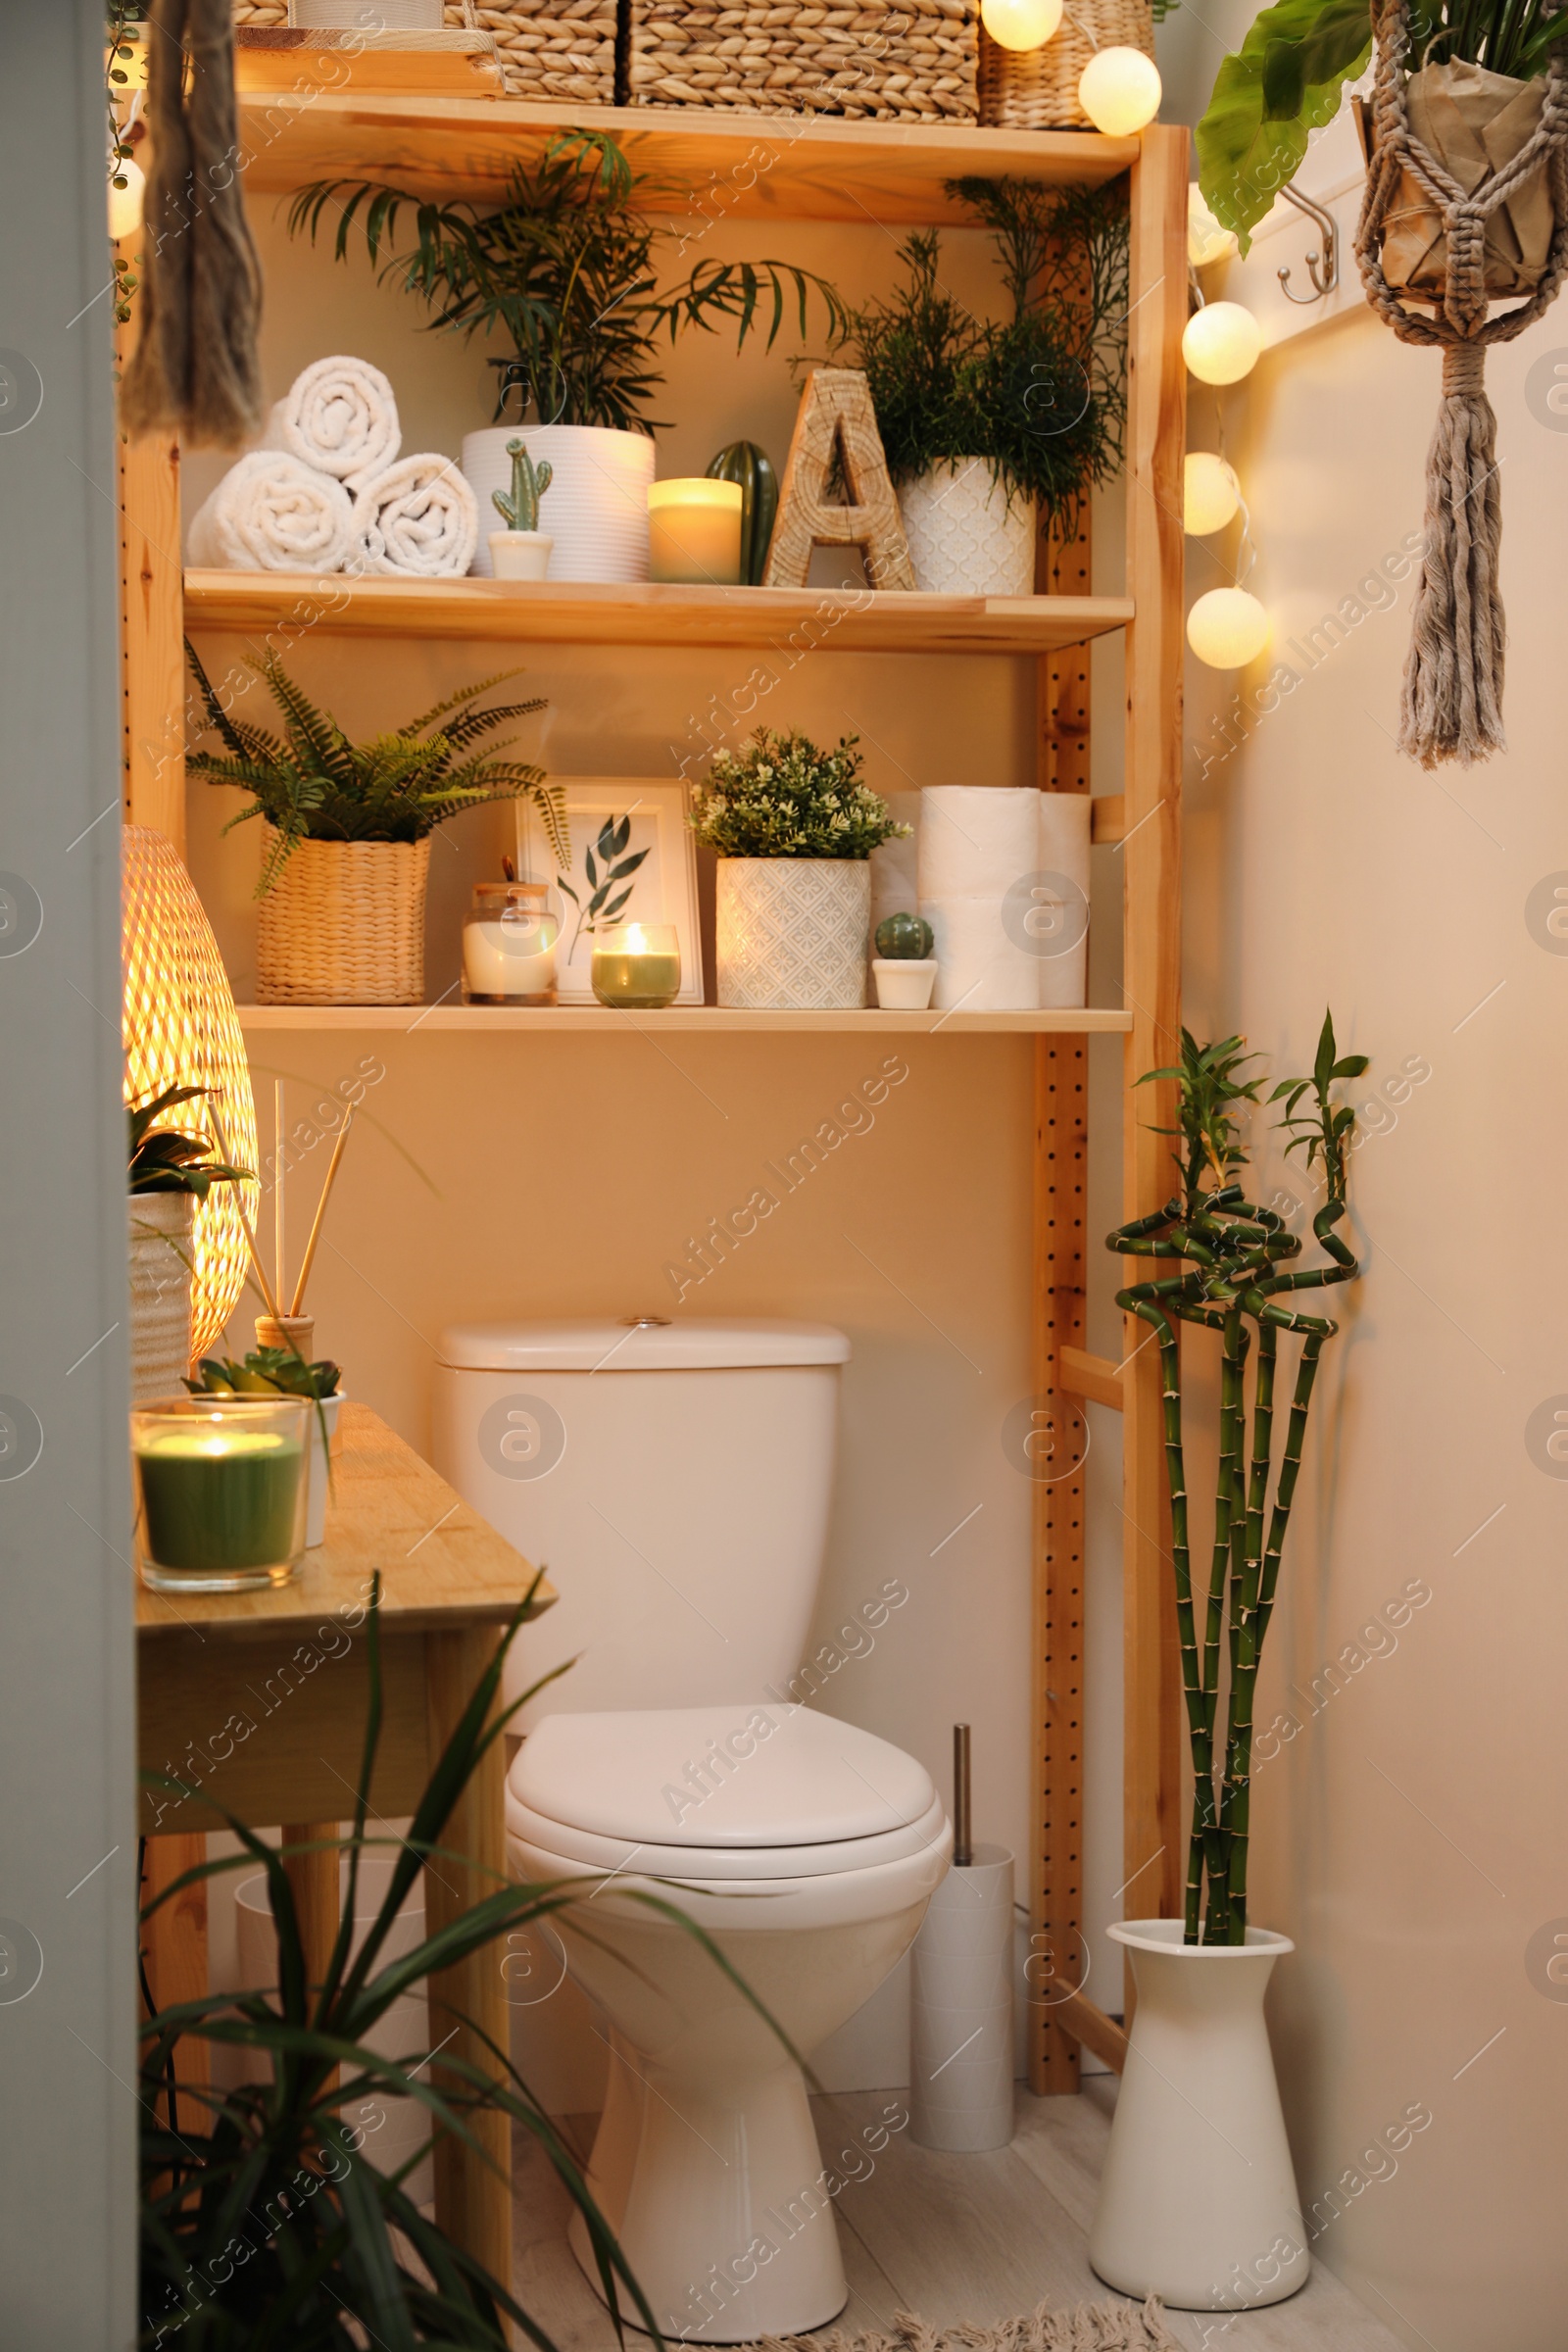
(271, 514)
(418, 517)
(340, 416)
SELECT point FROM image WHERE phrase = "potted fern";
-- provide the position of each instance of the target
(170, 1169)
(565, 269)
(793, 828)
(346, 831)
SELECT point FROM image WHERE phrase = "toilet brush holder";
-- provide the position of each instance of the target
(961, 2013)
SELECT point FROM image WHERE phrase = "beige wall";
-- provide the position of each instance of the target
(1409, 1833)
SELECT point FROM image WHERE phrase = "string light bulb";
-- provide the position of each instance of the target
(1227, 628)
(1207, 239)
(1210, 493)
(1020, 24)
(126, 203)
(1119, 90)
(1221, 343)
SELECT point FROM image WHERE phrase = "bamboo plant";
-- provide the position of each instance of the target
(1234, 1279)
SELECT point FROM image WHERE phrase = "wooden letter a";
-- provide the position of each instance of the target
(836, 407)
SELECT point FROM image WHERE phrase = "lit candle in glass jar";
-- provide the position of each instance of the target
(220, 1491)
(509, 946)
(636, 964)
(694, 533)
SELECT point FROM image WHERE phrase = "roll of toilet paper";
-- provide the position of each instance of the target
(895, 876)
(1061, 898)
(976, 840)
(961, 2009)
(982, 966)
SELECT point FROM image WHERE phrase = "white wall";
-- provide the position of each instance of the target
(1409, 1832)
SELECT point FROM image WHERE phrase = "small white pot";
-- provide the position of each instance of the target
(598, 503)
(793, 933)
(1198, 2199)
(904, 983)
(964, 537)
(321, 1443)
(161, 1262)
(521, 555)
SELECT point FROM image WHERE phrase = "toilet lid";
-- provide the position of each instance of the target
(731, 1782)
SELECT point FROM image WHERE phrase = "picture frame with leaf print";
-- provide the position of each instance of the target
(633, 860)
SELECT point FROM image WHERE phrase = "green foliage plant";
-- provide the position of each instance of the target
(265, 2227)
(780, 796)
(265, 1372)
(518, 510)
(1288, 76)
(1041, 394)
(565, 269)
(170, 1160)
(1236, 1280)
(311, 783)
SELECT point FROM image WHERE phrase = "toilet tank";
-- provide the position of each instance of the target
(673, 1477)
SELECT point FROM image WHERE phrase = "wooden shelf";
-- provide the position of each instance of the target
(710, 1020)
(715, 165)
(794, 620)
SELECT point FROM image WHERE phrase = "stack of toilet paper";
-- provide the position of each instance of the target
(1003, 878)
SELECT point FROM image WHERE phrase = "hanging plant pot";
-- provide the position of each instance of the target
(1198, 2199)
(344, 925)
(793, 933)
(966, 536)
(160, 1250)
(1461, 165)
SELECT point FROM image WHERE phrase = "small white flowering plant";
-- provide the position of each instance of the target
(780, 796)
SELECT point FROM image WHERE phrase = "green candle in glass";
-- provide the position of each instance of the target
(636, 965)
(220, 1491)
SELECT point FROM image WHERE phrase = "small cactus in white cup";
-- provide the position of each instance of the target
(520, 511)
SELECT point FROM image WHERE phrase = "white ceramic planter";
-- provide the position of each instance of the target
(521, 555)
(904, 983)
(793, 933)
(324, 1432)
(598, 498)
(161, 1262)
(1198, 2199)
(965, 539)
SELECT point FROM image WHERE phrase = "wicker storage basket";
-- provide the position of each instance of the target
(1037, 90)
(547, 48)
(344, 925)
(911, 61)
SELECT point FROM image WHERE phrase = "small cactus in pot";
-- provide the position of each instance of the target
(521, 552)
(904, 967)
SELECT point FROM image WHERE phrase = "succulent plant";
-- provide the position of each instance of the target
(520, 510)
(170, 1160)
(265, 1372)
(905, 938)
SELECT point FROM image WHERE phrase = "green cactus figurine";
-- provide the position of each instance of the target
(529, 482)
(744, 463)
(903, 938)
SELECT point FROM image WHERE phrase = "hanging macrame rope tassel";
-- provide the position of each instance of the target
(1451, 706)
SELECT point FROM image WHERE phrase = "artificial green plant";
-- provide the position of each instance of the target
(518, 508)
(170, 1160)
(1234, 1281)
(781, 796)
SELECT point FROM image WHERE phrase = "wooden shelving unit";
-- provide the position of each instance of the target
(717, 167)
(567, 613)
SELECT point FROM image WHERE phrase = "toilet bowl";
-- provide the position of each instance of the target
(676, 1479)
(805, 1850)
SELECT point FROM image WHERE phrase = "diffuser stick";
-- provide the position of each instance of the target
(963, 1841)
(320, 1211)
(257, 1267)
(278, 1284)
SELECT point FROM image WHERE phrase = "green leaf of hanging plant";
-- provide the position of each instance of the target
(1287, 80)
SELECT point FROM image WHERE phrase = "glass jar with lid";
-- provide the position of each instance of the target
(508, 945)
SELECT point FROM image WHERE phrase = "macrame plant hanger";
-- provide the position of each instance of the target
(1451, 706)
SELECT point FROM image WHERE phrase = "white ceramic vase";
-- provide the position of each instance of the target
(964, 537)
(1198, 2199)
(793, 933)
(161, 1265)
(597, 503)
(521, 555)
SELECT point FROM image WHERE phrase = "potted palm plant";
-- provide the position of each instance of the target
(793, 828)
(995, 427)
(346, 831)
(1197, 2191)
(565, 269)
(170, 1169)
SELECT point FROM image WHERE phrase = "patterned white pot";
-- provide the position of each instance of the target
(964, 538)
(161, 1259)
(794, 933)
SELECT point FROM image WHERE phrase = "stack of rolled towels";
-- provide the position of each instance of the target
(326, 490)
(1001, 876)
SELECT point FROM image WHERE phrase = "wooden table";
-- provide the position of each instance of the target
(257, 1700)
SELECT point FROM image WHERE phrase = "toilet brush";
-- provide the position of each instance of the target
(960, 2012)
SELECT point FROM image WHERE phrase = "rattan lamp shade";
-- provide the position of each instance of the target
(180, 1029)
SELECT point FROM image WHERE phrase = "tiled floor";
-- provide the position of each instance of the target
(951, 2238)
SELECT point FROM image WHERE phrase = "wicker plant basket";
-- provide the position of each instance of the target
(910, 61)
(344, 925)
(546, 48)
(1037, 90)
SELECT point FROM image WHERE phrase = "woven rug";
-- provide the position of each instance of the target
(1091, 2327)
